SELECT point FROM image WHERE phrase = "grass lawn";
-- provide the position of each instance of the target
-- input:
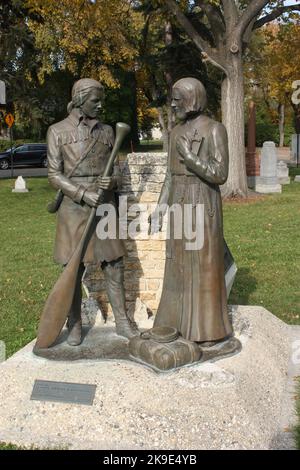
(263, 236)
(264, 239)
(27, 271)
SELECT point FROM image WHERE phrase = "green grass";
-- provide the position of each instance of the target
(293, 171)
(27, 271)
(4, 446)
(262, 235)
(264, 239)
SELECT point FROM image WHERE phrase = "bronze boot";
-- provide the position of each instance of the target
(74, 321)
(114, 278)
(75, 332)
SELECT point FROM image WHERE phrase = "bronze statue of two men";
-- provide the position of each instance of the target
(194, 298)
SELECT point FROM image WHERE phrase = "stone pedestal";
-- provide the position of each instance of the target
(241, 402)
(143, 175)
(267, 182)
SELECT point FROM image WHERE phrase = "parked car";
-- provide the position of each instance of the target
(25, 155)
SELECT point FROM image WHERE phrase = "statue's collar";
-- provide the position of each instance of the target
(76, 117)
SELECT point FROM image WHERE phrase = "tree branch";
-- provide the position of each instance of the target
(252, 10)
(248, 32)
(216, 22)
(230, 13)
(275, 14)
(209, 53)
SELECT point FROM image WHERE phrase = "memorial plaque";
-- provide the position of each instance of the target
(46, 390)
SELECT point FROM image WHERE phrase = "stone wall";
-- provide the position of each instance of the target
(142, 178)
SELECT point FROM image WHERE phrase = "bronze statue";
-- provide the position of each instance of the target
(79, 154)
(194, 294)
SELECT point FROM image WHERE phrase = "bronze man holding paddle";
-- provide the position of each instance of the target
(80, 162)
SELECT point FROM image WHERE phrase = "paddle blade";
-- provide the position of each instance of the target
(58, 305)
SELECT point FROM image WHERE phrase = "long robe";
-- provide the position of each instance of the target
(194, 293)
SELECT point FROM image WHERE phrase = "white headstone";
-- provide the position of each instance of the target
(267, 182)
(283, 173)
(294, 148)
(156, 133)
(20, 185)
(2, 92)
(297, 179)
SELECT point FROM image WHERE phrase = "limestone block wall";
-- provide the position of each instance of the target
(142, 178)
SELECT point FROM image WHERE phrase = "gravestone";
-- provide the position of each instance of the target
(283, 173)
(2, 92)
(267, 182)
(295, 148)
(252, 157)
(297, 179)
(20, 185)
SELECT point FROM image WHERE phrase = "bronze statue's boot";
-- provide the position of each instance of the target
(74, 321)
(75, 332)
(114, 277)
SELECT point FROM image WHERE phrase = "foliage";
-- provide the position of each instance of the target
(5, 144)
(86, 39)
(271, 68)
(96, 40)
(267, 128)
(18, 63)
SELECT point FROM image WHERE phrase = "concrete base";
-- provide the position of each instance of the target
(19, 191)
(266, 188)
(241, 402)
(284, 181)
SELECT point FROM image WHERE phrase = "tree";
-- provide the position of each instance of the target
(271, 68)
(17, 62)
(165, 56)
(96, 39)
(221, 30)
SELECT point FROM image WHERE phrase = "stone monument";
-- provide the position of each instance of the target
(295, 149)
(283, 173)
(20, 185)
(267, 182)
(252, 158)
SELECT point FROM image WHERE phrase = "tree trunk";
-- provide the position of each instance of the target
(296, 109)
(164, 129)
(233, 119)
(281, 124)
(134, 117)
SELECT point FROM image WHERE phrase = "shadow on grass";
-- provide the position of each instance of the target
(245, 284)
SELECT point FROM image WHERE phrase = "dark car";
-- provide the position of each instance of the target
(25, 155)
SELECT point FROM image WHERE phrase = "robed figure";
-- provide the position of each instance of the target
(194, 297)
